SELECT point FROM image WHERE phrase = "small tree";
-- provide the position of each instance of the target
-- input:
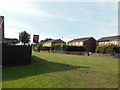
(24, 37)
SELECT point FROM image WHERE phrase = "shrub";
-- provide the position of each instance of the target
(101, 49)
(111, 49)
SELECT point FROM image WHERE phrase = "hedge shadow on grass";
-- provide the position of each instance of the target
(40, 67)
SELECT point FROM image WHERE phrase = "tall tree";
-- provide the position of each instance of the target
(24, 37)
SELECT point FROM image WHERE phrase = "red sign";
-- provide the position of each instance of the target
(35, 38)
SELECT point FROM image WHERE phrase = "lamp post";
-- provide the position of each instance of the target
(61, 46)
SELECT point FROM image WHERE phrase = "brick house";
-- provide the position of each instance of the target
(109, 40)
(88, 42)
(55, 41)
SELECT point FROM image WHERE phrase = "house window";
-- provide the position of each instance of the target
(74, 43)
(117, 42)
(77, 43)
(110, 42)
(106, 43)
(100, 43)
(103, 43)
(80, 43)
(113, 42)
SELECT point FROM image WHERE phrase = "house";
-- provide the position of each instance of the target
(88, 42)
(11, 41)
(55, 41)
(109, 40)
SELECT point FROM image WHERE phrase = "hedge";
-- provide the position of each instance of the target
(67, 47)
(111, 49)
(45, 48)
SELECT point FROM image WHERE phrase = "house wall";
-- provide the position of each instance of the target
(76, 43)
(90, 45)
(47, 44)
(115, 42)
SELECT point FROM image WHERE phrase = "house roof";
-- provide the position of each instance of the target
(80, 39)
(51, 41)
(109, 38)
(10, 40)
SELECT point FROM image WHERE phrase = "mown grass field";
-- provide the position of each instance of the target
(63, 71)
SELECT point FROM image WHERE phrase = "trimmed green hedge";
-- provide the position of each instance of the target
(111, 49)
(45, 48)
(75, 48)
(67, 47)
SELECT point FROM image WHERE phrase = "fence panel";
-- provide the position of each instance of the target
(16, 55)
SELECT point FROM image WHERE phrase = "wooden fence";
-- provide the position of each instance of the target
(16, 55)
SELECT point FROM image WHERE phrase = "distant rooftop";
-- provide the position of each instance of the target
(109, 38)
(80, 39)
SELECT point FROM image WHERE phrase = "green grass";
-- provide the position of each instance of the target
(63, 71)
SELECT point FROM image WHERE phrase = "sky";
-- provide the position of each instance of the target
(55, 20)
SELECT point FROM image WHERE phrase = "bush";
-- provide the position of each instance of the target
(111, 49)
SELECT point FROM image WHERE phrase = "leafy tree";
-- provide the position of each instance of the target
(24, 37)
(47, 39)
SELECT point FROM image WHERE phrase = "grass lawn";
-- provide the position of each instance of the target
(63, 71)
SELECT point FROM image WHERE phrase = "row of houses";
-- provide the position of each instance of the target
(90, 43)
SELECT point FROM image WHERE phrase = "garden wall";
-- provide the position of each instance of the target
(16, 55)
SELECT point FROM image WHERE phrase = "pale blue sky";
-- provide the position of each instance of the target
(61, 19)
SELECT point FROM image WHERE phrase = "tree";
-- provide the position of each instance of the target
(24, 37)
(47, 39)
